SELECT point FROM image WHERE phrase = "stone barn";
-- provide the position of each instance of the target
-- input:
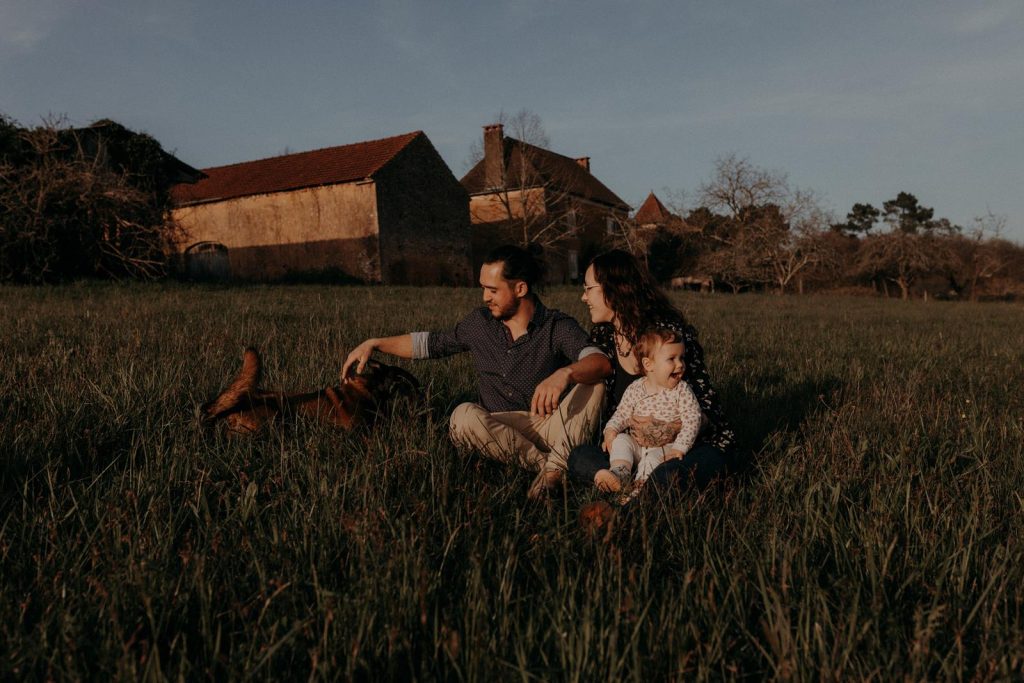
(384, 211)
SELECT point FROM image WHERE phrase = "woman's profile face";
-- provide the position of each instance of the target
(593, 297)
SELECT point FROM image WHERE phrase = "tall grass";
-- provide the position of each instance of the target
(877, 535)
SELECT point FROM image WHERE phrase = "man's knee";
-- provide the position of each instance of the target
(463, 419)
(586, 399)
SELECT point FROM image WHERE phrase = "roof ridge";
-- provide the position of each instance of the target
(546, 151)
(411, 135)
(311, 168)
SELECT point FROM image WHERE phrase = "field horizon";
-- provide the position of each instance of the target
(876, 534)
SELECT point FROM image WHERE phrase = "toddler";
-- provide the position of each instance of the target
(658, 417)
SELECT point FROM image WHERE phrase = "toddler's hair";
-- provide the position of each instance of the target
(650, 339)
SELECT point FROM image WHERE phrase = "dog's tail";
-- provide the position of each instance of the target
(247, 380)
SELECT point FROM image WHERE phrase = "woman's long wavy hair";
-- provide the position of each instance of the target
(632, 293)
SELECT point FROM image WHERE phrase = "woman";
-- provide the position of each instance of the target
(623, 301)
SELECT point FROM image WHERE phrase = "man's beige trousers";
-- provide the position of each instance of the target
(531, 441)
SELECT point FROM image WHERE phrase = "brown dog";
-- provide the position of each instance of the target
(245, 408)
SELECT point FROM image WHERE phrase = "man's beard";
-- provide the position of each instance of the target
(505, 314)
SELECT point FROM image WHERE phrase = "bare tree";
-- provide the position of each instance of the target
(903, 257)
(773, 228)
(796, 244)
(916, 245)
(738, 185)
(734, 262)
(985, 255)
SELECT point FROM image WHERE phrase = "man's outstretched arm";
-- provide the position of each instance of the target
(399, 345)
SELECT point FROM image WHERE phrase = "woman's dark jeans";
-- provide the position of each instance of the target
(699, 467)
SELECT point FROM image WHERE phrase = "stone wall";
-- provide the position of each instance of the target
(497, 206)
(424, 220)
(274, 236)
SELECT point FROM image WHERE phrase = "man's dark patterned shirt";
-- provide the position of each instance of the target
(508, 371)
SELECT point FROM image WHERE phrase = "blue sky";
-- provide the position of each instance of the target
(856, 100)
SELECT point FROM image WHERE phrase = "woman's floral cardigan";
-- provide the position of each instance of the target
(717, 431)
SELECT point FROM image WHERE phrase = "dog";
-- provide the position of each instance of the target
(246, 408)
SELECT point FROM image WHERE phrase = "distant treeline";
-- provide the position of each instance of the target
(753, 231)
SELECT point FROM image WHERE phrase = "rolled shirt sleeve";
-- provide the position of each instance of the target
(420, 349)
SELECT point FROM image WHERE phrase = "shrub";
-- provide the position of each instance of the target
(91, 202)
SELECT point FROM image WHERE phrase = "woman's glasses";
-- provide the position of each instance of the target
(587, 288)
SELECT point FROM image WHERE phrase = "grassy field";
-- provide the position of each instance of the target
(877, 537)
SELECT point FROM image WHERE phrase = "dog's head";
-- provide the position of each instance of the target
(384, 383)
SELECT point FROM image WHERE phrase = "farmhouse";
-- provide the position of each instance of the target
(387, 211)
(520, 192)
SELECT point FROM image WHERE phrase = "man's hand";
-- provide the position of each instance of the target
(549, 392)
(609, 437)
(358, 355)
(672, 455)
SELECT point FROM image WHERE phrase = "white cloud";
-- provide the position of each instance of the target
(982, 17)
(26, 23)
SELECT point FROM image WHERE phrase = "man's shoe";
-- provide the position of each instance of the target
(546, 481)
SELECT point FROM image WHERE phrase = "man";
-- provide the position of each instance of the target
(526, 357)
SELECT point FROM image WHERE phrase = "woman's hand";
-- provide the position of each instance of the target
(673, 455)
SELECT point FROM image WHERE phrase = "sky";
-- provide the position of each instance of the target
(857, 101)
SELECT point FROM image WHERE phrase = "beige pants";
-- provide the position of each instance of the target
(530, 441)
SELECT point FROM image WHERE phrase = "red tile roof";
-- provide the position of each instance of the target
(527, 165)
(652, 211)
(327, 166)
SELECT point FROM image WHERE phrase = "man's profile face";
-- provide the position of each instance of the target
(501, 296)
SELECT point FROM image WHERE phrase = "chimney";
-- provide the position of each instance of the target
(494, 155)
(584, 163)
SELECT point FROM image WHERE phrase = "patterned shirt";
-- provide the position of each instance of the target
(666, 416)
(717, 430)
(508, 371)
